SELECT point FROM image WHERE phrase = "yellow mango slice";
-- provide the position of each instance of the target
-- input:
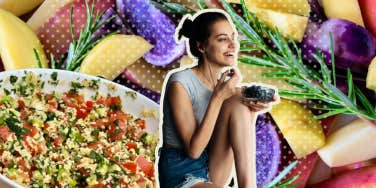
(352, 143)
(302, 134)
(112, 55)
(287, 24)
(19, 7)
(45, 11)
(371, 76)
(17, 41)
(345, 9)
(298, 7)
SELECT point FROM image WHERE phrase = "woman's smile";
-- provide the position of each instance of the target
(221, 47)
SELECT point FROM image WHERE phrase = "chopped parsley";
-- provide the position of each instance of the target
(13, 79)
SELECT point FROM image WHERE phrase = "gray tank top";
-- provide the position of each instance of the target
(199, 95)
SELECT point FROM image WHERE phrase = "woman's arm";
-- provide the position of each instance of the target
(195, 139)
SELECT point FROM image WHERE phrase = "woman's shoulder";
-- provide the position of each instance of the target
(181, 74)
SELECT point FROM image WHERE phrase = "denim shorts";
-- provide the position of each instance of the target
(176, 169)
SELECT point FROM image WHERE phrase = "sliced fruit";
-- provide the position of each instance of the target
(153, 81)
(287, 24)
(156, 27)
(361, 178)
(55, 34)
(307, 166)
(17, 41)
(349, 10)
(303, 134)
(368, 9)
(45, 11)
(18, 7)
(357, 138)
(298, 7)
(371, 76)
(346, 168)
(112, 55)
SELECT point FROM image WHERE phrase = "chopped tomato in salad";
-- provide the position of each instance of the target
(51, 140)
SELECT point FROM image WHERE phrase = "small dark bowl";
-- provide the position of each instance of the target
(258, 93)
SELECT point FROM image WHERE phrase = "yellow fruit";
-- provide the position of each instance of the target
(302, 134)
(371, 76)
(19, 7)
(284, 15)
(17, 41)
(287, 24)
(156, 74)
(298, 7)
(45, 12)
(112, 55)
(352, 143)
(345, 9)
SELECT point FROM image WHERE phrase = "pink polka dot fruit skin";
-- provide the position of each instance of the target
(55, 34)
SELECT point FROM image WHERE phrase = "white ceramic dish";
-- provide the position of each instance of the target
(133, 105)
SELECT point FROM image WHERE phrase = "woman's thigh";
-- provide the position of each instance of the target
(232, 140)
(221, 157)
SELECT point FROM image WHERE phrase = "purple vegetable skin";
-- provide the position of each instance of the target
(150, 23)
(317, 12)
(155, 96)
(268, 151)
(354, 46)
(115, 24)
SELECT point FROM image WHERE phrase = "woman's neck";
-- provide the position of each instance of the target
(210, 72)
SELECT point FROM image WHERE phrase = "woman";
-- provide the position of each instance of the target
(206, 124)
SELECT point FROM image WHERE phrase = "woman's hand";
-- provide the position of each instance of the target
(225, 89)
(256, 106)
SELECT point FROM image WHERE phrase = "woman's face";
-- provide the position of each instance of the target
(221, 47)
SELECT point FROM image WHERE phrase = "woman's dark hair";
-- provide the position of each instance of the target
(198, 30)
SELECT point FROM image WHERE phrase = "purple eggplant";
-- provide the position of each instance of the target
(268, 151)
(354, 46)
(150, 23)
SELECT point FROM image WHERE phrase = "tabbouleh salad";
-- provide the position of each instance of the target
(63, 140)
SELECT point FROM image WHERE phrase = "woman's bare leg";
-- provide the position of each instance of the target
(233, 140)
(205, 185)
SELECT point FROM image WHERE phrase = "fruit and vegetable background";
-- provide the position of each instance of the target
(320, 55)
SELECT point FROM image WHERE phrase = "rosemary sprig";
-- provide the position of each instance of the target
(288, 60)
(36, 55)
(201, 4)
(276, 182)
(78, 49)
(169, 7)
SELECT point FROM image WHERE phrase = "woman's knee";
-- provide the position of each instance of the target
(234, 105)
